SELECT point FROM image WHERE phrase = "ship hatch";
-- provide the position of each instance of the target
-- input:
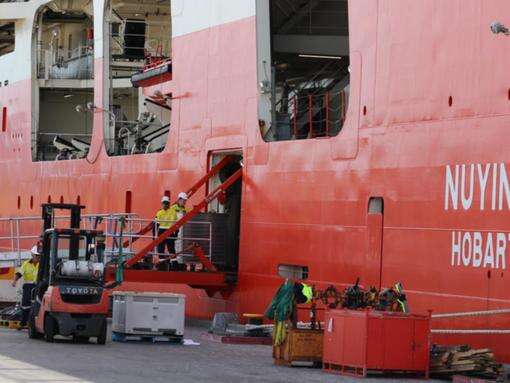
(303, 68)
(228, 207)
(64, 65)
(139, 55)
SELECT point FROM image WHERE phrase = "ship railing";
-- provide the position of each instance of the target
(130, 238)
(19, 234)
(67, 64)
(310, 116)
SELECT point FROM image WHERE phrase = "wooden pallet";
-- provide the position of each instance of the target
(146, 338)
(254, 340)
(246, 340)
(362, 372)
(11, 324)
(469, 379)
(448, 361)
(344, 370)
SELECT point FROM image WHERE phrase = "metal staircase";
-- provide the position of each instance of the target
(209, 278)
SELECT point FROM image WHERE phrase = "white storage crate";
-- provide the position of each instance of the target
(148, 313)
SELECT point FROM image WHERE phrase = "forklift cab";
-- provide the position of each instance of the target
(71, 257)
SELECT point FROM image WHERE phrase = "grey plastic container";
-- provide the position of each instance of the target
(148, 313)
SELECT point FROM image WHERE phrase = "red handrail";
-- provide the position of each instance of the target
(211, 173)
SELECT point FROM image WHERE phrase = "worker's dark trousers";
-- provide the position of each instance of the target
(170, 243)
(26, 302)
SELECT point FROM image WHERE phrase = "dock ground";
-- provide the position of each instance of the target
(23, 360)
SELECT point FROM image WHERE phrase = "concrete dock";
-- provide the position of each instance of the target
(23, 360)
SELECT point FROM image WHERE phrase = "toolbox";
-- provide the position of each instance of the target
(360, 342)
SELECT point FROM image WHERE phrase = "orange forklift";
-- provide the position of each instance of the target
(70, 298)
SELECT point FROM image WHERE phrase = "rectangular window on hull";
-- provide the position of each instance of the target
(375, 205)
(293, 271)
(303, 68)
(7, 37)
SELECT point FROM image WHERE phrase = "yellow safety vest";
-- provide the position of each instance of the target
(166, 218)
(29, 271)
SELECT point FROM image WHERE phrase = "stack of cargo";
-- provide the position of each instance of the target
(447, 361)
(227, 329)
(10, 317)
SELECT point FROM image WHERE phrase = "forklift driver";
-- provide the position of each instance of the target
(28, 271)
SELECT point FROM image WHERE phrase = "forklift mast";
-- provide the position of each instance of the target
(48, 216)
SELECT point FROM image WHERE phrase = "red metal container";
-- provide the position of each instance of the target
(357, 342)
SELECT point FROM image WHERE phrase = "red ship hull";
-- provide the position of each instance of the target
(424, 103)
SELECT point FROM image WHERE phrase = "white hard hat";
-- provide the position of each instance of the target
(183, 196)
(165, 199)
(34, 250)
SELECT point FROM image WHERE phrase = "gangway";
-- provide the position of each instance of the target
(210, 278)
(19, 234)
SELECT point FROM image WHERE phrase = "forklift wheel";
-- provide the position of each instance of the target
(32, 331)
(49, 328)
(101, 338)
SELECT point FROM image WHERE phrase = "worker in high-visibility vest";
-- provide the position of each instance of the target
(28, 271)
(166, 217)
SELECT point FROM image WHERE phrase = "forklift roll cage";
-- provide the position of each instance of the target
(52, 235)
(50, 257)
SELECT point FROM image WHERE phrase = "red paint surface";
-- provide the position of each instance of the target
(305, 202)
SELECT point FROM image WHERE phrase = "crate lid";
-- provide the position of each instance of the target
(148, 294)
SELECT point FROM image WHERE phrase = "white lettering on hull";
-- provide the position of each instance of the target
(477, 249)
(465, 185)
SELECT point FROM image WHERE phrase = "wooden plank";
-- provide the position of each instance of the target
(461, 360)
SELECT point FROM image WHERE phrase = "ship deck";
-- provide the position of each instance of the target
(25, 360)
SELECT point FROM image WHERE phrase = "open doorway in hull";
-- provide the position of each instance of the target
(224, 216)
